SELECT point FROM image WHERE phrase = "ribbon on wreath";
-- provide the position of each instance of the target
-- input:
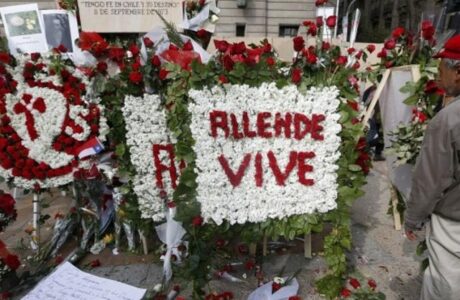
(170, 233)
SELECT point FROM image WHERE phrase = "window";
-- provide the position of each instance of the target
(240, 29)
(288, 30)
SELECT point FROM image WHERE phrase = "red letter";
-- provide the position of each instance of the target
(316, 128)
(261, 125)
(305, 168)
(298, 120)
(222, 122)
(280, 177)
(281, 123)
(235, 179)
(259, 172)
(237, 135)
(160, 168)
(247, 132)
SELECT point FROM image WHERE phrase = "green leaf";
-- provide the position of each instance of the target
(411, 100)
(120, 150)
(354, 168)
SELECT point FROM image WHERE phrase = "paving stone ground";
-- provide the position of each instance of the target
(379, 252)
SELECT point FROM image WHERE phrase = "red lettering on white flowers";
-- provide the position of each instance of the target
(267, 126)
(295, 159)
(160, 167)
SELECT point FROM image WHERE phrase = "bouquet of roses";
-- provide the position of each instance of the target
(7, 211)
(357, 291)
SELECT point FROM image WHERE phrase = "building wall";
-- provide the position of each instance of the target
(262, 17)
(42, 4)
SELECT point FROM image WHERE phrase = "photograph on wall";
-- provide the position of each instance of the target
(23, 28)
(60, 29)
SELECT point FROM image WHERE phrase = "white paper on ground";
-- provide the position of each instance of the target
(69, 283)
(265, 292)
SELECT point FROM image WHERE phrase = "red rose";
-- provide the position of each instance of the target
(223, 79)
(202, 2)
(398, 32)
(294, 298)
(341, 60)
(388, 64)
(238, 48)
(428, 30)
(382, 53)
(307, 23)
(312, 58)
(188, 46)
(135, 77)
(418, 116)
(355, 283)
(221, 46)
(270, 61)
(201, 34)
(249, 265)
(92, 41)
(275, 287)
(228, 63)
(331, 21)
(148, 42)
(353, 104)
(116, 54)
(359, 54)
(312, 29)
(356, 65)
(299, 43)
(197, 221)
(61, 48)
(345, 293)
(163, 74)
(431, 87)
(319, 21)
(35, 56)
(325, 46)
(12, 261)
(372, 284)
(4, 57)
(296, 75)
(102, 66)
(351, 50)
(134, 49)
(320, 2)
(7, 204)
(155, 60)
(390, 44)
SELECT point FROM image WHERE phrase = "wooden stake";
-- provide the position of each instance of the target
(394, 204)
(376, 97)
(35, 222)
(265, 246)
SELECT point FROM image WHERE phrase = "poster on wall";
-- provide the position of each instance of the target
(61, 28)
(24, 29)
(127, 15)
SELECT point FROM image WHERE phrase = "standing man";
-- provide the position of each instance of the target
(436, 186)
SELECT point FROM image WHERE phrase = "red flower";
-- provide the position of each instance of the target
(356, 65)
(92, 41)
(428, 30)
(359, 54)
(353, 104)
(180, 57)
(7, 204)
(270, 61)
(331, 21)
(220, 243)
(275, 287)
(95, 263)
(12, 261)
(398, 32)
(187, 46)
(197, 221)
(319, 21)
(382, 53)
(201, 34)
(320, 2)
(228, 63)
(295, 298)
(351, 50)
(296, 75)
(341, 60)
(345, 293)
(355, 283)
(163, 74)
(238, 48)
(388, 64)
(372, 284)
(5, 57)
(135, 77)
(325, 46)
(102, 66)
(431, 87)
(312, 29)
(390, 44)
(299, 43)
(171, 204)
(62, 49)
(35, 56)
(312, 58)
(116, 54)
(223, 79)
(148, 42)
(155, 60)
(134, 49)
(221, 46)
(249, 265)
(418, 116)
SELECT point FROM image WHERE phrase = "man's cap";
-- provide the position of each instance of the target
(451, 49)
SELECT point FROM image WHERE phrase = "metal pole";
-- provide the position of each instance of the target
(35, 222)
(346, 16)
(336, 23)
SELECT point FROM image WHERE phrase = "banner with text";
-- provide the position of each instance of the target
(127, 15)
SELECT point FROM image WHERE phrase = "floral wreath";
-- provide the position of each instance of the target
(45, 119)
